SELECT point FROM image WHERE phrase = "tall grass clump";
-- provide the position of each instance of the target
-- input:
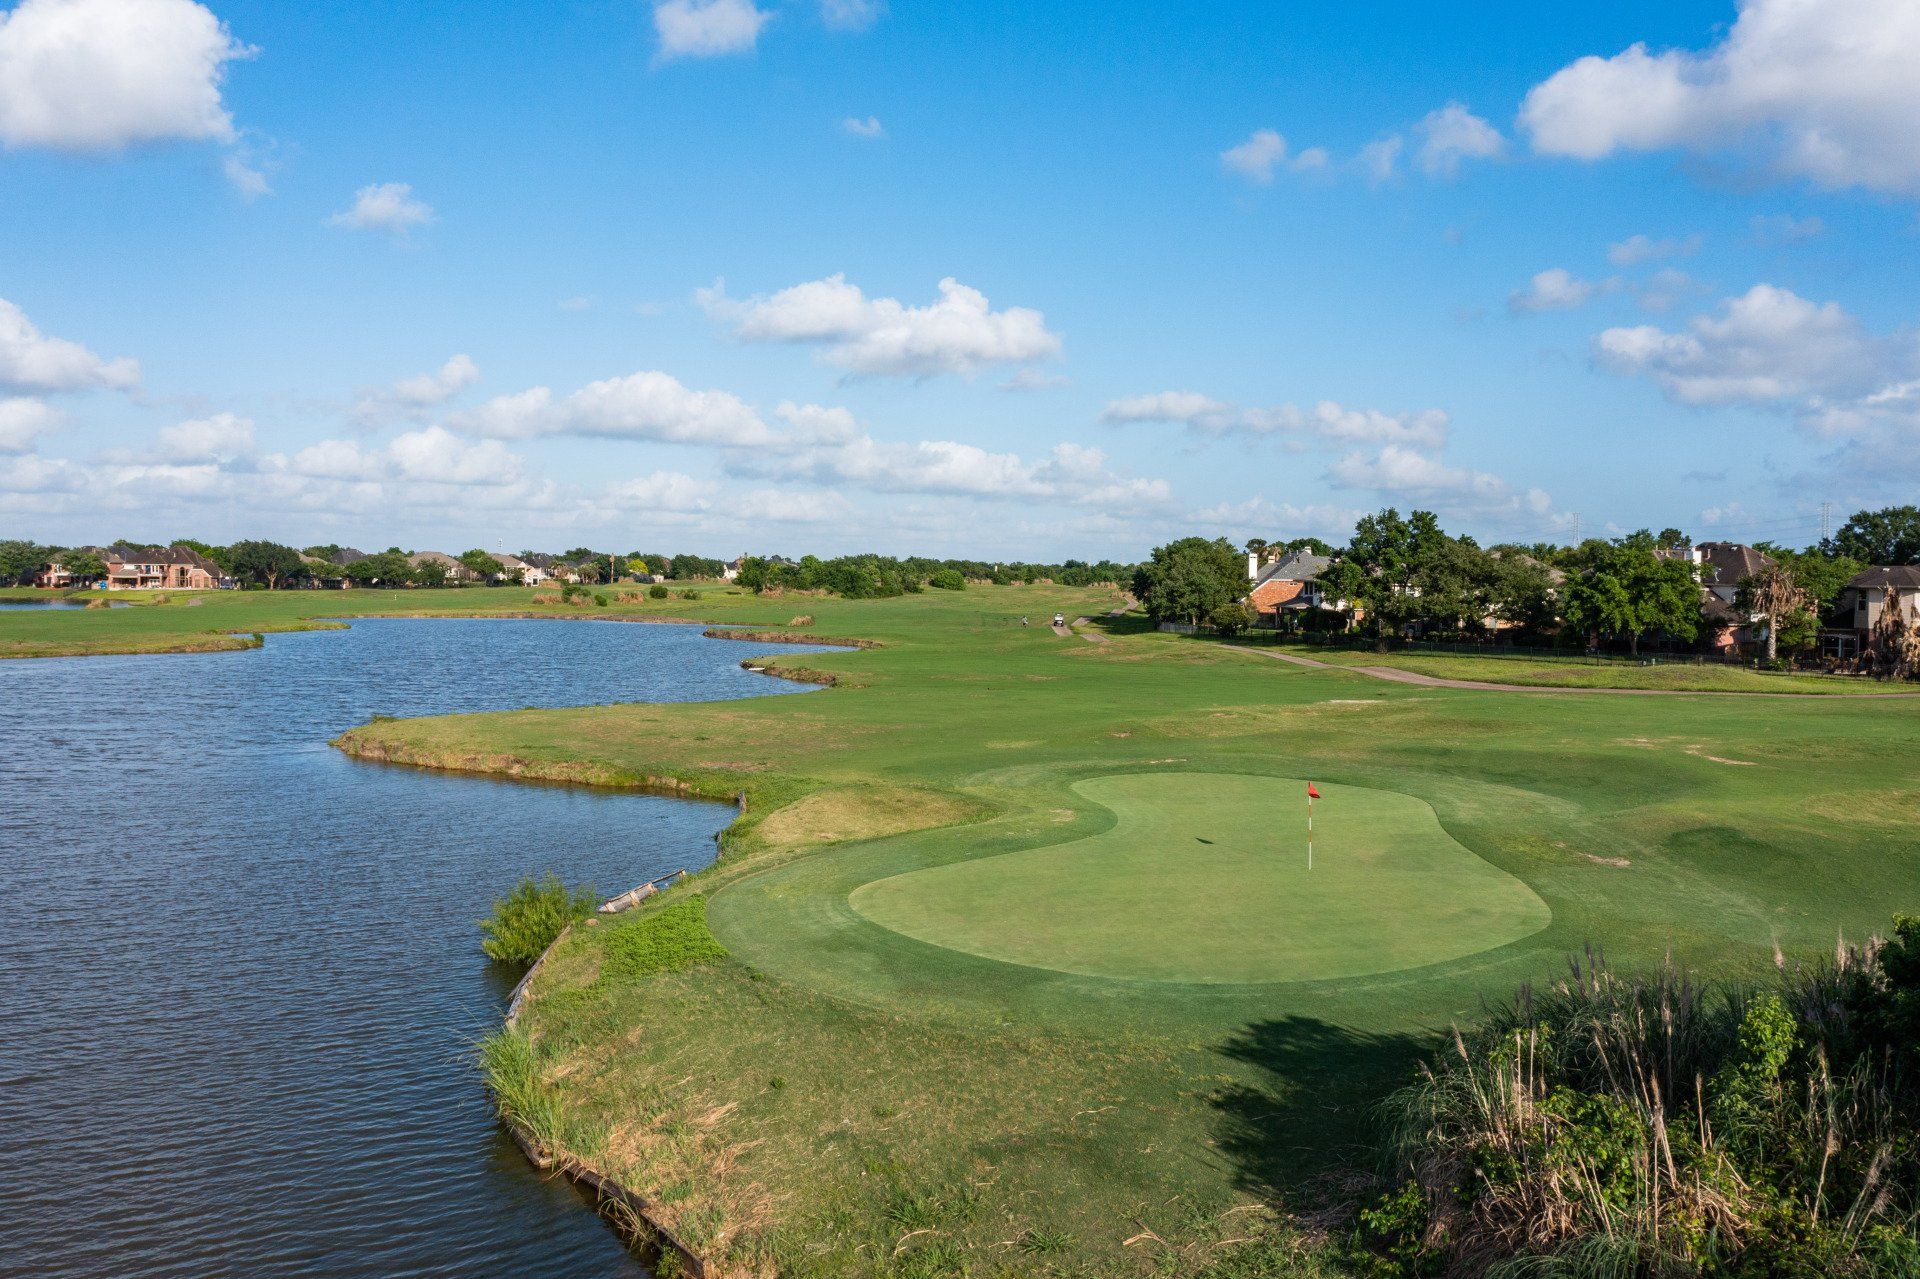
(512, 1066)
(665, 941)
(1659, 1126)
(530, 917)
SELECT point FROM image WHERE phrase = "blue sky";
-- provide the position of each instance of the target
(671, 275)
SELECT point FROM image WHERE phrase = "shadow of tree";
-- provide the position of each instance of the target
(1309, 1111)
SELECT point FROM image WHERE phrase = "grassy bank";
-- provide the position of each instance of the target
(871, 1083)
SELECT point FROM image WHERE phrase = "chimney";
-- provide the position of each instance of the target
(1253, 567)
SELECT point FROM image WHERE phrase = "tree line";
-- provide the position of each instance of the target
(1405, 575)
(884, 576)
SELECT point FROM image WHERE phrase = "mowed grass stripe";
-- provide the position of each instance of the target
(1204, 878)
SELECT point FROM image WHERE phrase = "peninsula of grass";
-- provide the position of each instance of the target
(1023, 970)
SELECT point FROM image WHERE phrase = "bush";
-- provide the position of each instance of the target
(1663, 1127)
(528, 920)
(948, 579)
(656, 592)
(1231, 619)
(689, 595)
(665, 941)
(599, 599)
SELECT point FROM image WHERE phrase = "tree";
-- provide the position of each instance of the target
(221, 555)
(20, 559)
(83, 564)
(1773, 594)
(1625, 589)
(1189, 578)
(1312, 544)
(483, 566)
(948, 579)
(1886, 537)
(268, 563)
(1388, 568)
(1256, 547)
(384, 568)
(428, 573)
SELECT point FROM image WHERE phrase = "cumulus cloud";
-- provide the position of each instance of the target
(960, 333)
(451, 378)
(1035, 380)
(1821, 91)
(101, 75)
(867, 128)
(31, 361)
(1396, 470)
(1380, 159)
(1636, 249)
(1325, 421)
(1452, 135)
(23, 420)
(384, 206)
(668, 491)
(780, 506)
(1555, 289)
(1255, 158)
(219, 438)
(640, 406)
(707, 28)
(432, 455)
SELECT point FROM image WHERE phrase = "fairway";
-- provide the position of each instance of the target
(1203, 878)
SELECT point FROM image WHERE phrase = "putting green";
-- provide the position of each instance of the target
(1203, 878)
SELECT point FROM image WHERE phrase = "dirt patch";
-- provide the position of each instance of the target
(1700, 752)
(864, 812)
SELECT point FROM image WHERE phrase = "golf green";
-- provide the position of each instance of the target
(1203, 878)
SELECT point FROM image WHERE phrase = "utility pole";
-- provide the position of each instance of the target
(1576, 528)
(1826, 521)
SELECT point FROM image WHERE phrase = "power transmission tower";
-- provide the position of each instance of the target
(1826, 521)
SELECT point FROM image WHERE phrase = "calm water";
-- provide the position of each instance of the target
(241, 971)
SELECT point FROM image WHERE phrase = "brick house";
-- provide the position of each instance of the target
(1722, 566)
(1290, 584)
(172, 568)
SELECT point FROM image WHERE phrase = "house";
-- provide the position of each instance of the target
(1863, 601)
(530, 574)
(174, 568)
(547, 568)
(1290, 584)
(1722, 566)
(324, 575)
(56, 577)
(454, 569)
(731, 572)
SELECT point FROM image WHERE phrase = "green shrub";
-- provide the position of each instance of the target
(656, 592)
(1231, 619)
(599, 599)
(528, 919)
(665, 941)
(948, 579)
(689, 595)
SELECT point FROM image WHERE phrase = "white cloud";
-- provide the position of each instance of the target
(1636, 249)
(23, 420)
(1824, 91)
(1257, 513)
(384, 206)
(1035, 380)
(578, 302)
(451, 378)
(1665, 289)
(1254, 159)
(100, 75)
(1325, 421)
(1403, 471)
(1769, 345)
(1264, 151)
(851, 15)
(1784, 228)
(247, 179)
(960, 333)
(707, 28)
(432, 455)
(1454, 134)
(31, 361)
(668, 491)
(867, 128)
(1555, 289)
(640, 406)
(1380, 158)
(208, 439)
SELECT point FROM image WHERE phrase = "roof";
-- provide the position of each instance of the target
(181, 555)
(435, 557)
(1905, 577)
(1299, 566)
(1726, 563)
(509, 561)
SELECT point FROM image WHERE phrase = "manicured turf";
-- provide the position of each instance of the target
(1203, 878)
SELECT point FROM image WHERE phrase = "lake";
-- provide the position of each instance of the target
(244, 970)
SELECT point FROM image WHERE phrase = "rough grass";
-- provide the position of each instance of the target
(865, 812)
(668, 940)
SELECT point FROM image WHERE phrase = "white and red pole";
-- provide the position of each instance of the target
(1309, 827)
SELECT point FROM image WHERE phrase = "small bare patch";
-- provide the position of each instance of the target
(1063, 814)
(1700, 752)
(1356, 701)
(1617, 862)
(866, 812)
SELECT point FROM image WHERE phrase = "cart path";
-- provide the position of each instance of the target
(1398, 676)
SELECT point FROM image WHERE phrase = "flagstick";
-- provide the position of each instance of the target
(1309, 832)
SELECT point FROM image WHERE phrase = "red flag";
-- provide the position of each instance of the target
(1311, 792)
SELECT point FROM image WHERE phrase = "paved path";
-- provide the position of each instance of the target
(1398, 676)
(1072, 628)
